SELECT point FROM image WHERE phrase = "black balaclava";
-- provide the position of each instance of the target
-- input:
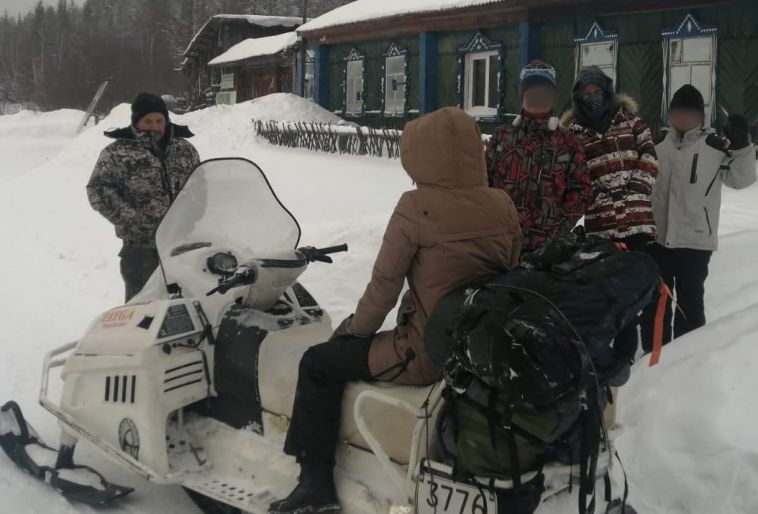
(599, 112)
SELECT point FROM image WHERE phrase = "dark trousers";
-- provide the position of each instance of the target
(137, 264)
(684, 270)
(324, 371)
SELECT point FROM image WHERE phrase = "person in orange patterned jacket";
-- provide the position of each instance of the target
(539, 164)
(621, 159)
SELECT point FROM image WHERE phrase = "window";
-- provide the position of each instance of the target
(309, 87)
(598, 48)
(602, 55)
(481, 98)
(354, 88)
(395, 82)
(480, 77)
(690, 58)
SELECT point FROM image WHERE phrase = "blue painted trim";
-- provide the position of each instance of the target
(596, 34)
(428, 72)
(353, 56)
(689, 27)
(395, 51)
(528, 42)
(321, 89)
(481, 43)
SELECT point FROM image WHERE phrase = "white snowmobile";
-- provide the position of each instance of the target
(192, 382)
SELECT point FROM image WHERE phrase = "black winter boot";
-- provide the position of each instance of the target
(315, 493)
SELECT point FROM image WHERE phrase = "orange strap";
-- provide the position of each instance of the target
(664, 296)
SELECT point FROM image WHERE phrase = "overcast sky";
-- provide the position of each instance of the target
(15, 7)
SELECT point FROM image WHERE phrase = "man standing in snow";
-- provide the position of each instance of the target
(694, 162)
(136, 179)
(539, 164)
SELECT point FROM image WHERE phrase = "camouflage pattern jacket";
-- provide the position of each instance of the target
(542, 169)
(136, 179)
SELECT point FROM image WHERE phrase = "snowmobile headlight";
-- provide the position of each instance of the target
(222, 263)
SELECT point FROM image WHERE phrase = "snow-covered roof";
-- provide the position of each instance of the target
(252, 19)
(256, 47)
(366, 10)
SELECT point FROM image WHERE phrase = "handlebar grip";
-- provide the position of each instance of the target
(229, 284)
(332, 249)
(239, 278)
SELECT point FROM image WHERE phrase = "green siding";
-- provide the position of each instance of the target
(557, 48)
(373, 52)
(448, 44)
(640, 61)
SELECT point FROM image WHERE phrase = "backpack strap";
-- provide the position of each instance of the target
(589, 451)
(664, 297)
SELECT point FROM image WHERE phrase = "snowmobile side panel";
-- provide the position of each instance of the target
(236, 370)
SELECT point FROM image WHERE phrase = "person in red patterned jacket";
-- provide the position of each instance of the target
(540, 165)
(621, 159)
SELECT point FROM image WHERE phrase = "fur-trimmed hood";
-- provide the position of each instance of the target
(626, 102)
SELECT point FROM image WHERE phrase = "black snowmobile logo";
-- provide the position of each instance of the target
(128, 437)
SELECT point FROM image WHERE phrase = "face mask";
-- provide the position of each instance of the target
(595, 101)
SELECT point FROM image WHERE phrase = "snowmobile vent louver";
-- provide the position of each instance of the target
(120, 388)
(182, 376)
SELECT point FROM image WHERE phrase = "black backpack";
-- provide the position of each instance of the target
(529, 356)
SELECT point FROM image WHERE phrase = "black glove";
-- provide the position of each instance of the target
(738, 132)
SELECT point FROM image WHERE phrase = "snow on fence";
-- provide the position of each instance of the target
(332, 138)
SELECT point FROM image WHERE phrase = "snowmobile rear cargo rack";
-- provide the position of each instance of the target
(423, 414)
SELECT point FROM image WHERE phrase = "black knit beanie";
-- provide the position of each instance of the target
(688, 97)
(146, 103)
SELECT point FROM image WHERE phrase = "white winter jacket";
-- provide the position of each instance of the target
(687, 194)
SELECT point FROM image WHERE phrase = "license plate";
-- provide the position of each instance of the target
(438, 495)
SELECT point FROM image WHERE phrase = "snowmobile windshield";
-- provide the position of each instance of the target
(226, 203)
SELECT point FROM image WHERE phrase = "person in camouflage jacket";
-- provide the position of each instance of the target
(540, 165)
(136, 179)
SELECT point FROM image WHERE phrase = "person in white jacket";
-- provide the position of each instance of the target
(694, 163)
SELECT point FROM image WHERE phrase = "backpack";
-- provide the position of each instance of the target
(529, 355)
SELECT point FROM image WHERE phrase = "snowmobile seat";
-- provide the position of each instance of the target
(392, 426)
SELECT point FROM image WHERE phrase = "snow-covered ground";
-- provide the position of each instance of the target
(687, 427)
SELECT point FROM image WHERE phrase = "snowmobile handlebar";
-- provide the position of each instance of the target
(312, 254)
(243, 275)
(246, 274)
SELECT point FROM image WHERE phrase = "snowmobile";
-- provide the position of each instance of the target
(192, 381)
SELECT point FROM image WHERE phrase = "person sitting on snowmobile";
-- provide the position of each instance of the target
(135, 181)
(453, 229)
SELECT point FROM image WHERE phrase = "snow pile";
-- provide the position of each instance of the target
(371, 10)
(687, 427)
(28, 138)
(263, 21)
(289, 107)
(256, 47)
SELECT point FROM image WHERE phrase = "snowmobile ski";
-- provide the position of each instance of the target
(24, 447)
